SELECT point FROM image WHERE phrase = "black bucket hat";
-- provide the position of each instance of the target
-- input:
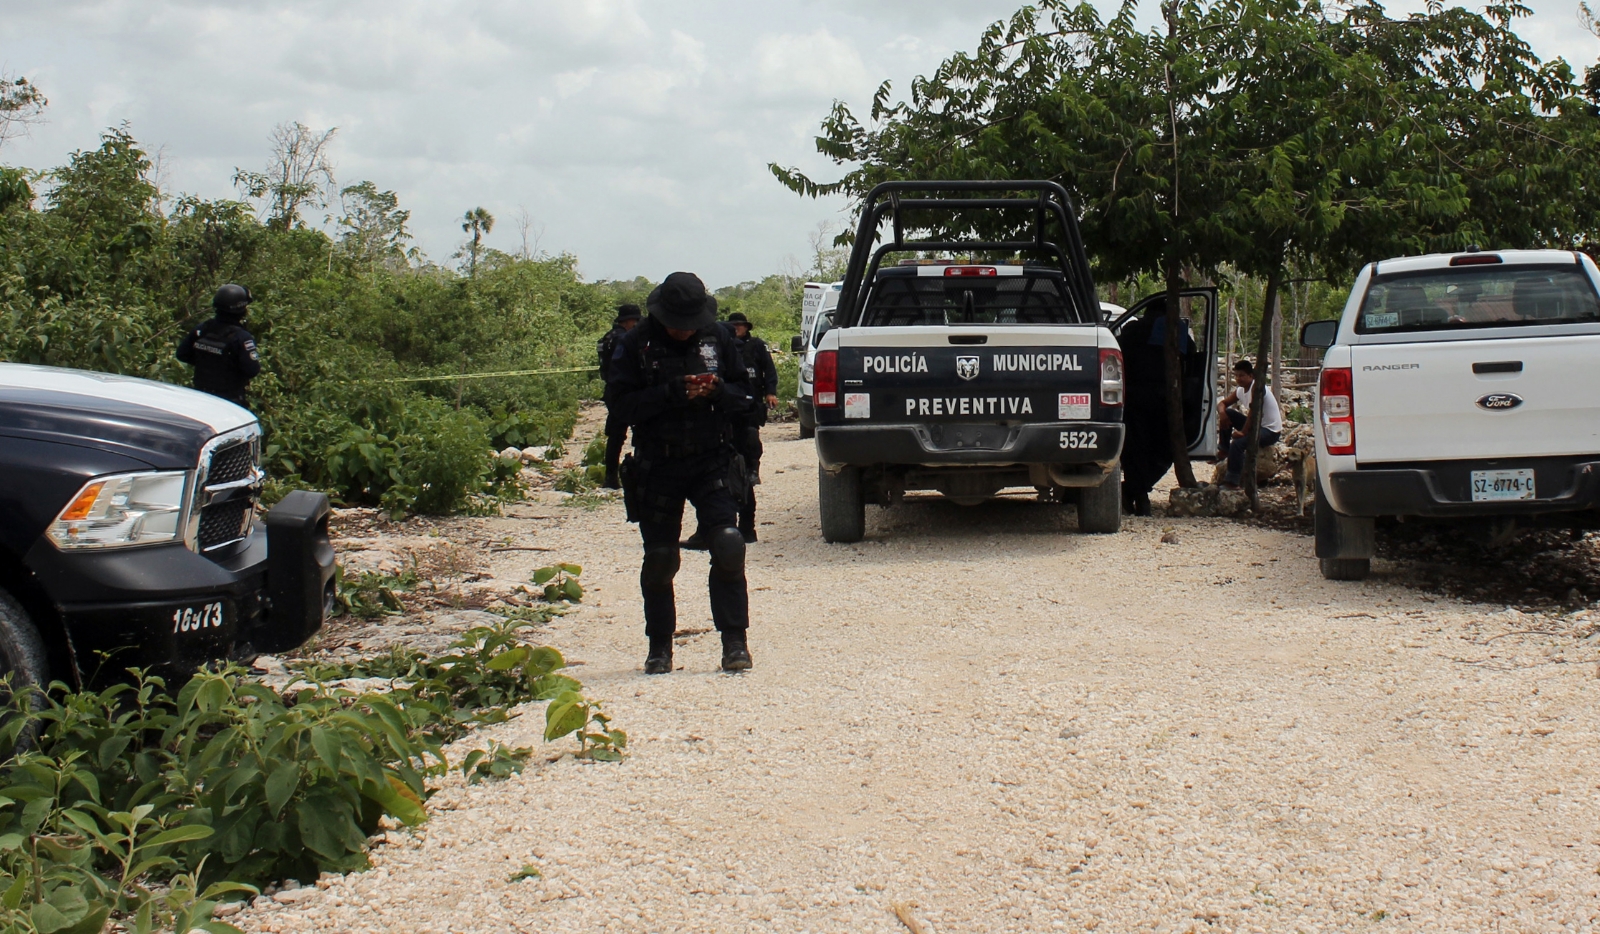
(739, 318)
(629, 312)
(681, 303)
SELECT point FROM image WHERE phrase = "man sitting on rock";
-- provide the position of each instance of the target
(1234, 413)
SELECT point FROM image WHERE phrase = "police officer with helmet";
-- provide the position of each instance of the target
(677, 380)
(616, 429)
(221, 351)
(763, 382)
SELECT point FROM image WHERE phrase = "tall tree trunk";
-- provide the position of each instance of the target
(1171, 344)
(1258, 389)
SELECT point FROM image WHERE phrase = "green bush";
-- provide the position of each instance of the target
(105, 275)
(132, 799)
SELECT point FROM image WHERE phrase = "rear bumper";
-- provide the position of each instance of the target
(1443, 490)
(170, 610)
(969, 444)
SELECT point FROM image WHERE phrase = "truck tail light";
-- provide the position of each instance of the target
(1336, 403)
(825, 378)
(1110, 376)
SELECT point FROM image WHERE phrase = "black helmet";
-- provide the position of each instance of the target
(231, 300)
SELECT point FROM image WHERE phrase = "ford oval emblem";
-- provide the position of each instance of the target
(1500, 401)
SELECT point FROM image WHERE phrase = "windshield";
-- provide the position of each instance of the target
(899, 300)
(1478, 296)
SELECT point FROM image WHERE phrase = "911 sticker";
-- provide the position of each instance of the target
(1079, 440)
(1073, 405)
(857, 405)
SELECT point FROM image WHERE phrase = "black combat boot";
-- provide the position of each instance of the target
(735, 651)
(659, 661)
(696, 542)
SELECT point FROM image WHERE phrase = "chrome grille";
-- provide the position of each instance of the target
(227, 489)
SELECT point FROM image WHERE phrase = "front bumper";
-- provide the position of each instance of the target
(1443, 489)
(170, 610)
(975, 445)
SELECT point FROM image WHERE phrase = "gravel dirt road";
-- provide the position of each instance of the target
(978, 720)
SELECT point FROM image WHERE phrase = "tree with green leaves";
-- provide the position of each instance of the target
(1253, 132)
(476, 223)
(372, 230)
(22, 105)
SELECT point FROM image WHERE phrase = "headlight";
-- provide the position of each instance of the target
(126, 509)
(805, 372)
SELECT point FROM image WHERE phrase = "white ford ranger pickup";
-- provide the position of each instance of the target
(1458, 388)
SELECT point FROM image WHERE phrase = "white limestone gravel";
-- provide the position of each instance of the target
(1006, 726)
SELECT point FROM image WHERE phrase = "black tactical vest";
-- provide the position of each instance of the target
(216, 360)
(698, 426)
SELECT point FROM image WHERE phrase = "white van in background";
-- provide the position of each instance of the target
(816, 307)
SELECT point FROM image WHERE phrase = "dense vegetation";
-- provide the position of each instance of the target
(100, 270)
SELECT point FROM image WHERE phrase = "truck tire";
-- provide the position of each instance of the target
(23, 658)
(807, 431)
(843, 505)
(1344, 543)
(1100, 507)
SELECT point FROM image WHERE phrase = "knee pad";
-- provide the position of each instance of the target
(727, 553)
(660, 567)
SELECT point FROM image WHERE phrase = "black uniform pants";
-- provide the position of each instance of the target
(616, 432)
(1146, 449)
(750, 447)
(666, 486)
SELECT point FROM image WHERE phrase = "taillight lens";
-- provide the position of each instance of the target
(1336, 403)
(825, 378)
(1110, 376)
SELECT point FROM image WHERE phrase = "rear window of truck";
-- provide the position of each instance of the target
(1477, 297)
(901, 298)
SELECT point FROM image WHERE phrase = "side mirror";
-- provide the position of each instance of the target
(1319, 334)
(797, 344)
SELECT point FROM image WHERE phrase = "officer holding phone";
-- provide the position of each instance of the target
(679, 382)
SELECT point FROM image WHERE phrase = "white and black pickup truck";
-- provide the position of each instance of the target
(971, 376)
(1462, 389)
(130, 535)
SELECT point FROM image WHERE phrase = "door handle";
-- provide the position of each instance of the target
(1498, 366)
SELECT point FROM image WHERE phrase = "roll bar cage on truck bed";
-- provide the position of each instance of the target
(885, 200)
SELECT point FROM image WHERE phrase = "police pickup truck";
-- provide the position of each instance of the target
(129, 532)
(972, 376)
(1459, 389)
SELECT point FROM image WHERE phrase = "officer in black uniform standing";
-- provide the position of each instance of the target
(763, 382)
(616, 429)
(678, 382)
(221, 351)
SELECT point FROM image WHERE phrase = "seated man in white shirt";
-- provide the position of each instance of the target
(1234, 412)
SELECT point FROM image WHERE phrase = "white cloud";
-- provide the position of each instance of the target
(818, 65)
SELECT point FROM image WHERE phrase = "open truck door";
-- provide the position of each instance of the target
(1201, 378)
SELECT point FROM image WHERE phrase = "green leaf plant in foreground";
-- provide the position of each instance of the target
(145, 808)
(560, 582)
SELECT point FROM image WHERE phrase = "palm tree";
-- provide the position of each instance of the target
(477, 222)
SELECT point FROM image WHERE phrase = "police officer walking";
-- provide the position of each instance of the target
(763, 382)
(221, 351)
(678, 382)
(626, 320)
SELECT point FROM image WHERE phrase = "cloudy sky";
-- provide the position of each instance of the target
(634, 133)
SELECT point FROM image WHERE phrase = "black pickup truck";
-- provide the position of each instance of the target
(129, 533)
